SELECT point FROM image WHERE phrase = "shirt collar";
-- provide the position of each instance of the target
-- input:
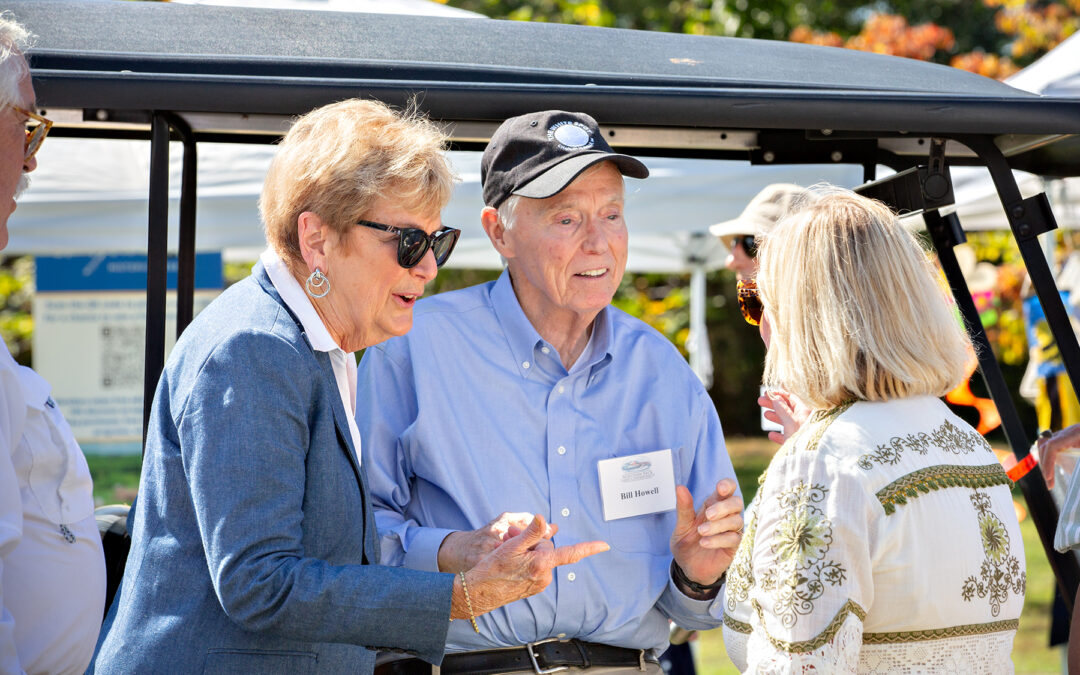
(296, 300)
(523, 338)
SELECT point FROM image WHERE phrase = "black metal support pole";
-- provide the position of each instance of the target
(946, 233)
(1027, 221)
(185, 273)
(156, 263)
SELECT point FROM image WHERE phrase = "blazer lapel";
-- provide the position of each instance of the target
(341, 422)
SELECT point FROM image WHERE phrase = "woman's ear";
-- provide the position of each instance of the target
(313, 235)
(496, 232)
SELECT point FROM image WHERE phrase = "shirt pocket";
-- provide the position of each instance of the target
(262, 661)
(648, 533)
(74, 486)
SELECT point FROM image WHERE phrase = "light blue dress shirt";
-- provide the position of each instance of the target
(505, 427)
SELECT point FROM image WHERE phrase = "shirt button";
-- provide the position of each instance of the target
(561, 389)
(561, 450)
(565, 513)
(571, 576)
(545, 350)
(524, 364)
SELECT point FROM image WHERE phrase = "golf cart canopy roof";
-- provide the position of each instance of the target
(233, 72)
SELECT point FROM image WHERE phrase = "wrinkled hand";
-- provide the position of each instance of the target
(461, 551)
(1050, 447)
(704, 542)
(786, 410)
(519, 568)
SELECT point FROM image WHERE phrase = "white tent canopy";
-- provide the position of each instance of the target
(91, 196)
(978, 206)
(1057, 73)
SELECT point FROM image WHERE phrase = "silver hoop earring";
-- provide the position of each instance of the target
(317, 285)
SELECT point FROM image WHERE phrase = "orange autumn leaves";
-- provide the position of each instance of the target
(1034, 26)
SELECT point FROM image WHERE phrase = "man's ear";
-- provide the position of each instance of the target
(496, 232)
(313, 234)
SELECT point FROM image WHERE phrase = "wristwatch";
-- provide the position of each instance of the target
(680, 577)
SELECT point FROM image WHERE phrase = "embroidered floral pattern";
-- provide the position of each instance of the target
(800, 545)
(815, 426)
(947, 437)
(740, 574)
(821, 420)
(821, 638)
(1000, 572)
(937, 477)
(940, 633)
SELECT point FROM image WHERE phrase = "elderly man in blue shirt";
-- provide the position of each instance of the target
(532, 394)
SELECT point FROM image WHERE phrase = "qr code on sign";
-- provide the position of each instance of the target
(121, 355)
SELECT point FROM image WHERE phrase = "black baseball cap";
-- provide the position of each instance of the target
(539, 154)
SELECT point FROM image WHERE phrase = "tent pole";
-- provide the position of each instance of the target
(697, 339)
(156, 263)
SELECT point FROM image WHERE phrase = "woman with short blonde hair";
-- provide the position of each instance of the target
(883, 536)
(863, 314)
(338, 160)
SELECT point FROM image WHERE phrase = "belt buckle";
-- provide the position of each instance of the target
(536, 665)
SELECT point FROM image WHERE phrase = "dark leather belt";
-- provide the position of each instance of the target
(547, 656)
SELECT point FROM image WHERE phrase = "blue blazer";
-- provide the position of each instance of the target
(253, 544)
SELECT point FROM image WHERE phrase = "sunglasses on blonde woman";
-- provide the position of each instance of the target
(413, 242)
(37, 128)
(749, 302)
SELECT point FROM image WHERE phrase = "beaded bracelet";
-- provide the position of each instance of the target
(468, 603)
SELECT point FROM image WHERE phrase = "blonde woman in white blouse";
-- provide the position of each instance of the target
(883, 537)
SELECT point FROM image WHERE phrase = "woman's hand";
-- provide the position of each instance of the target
(519, 568)
(786, 410)
(461, 551)
(1049, 447)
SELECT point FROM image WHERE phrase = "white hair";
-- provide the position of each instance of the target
(14, 40)
(508, 211)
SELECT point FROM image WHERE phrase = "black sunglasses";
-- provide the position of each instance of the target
(748, 243)
(413, 242)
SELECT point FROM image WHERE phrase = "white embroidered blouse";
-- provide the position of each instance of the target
(883, 539)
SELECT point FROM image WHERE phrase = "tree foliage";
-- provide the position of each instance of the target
(991, 37)
(16, 296)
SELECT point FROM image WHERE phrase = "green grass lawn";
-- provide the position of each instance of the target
(116, 477)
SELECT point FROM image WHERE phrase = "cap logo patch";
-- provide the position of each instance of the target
(571, 135)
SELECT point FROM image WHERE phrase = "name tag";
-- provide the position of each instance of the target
(637, 484)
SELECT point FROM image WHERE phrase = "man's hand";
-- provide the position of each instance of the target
(519, 568)
(704, 542)
(1050, 447)
(786, 410)
(460, 551)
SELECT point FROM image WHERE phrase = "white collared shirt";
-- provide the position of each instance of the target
(51, 560)
(344, 363)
